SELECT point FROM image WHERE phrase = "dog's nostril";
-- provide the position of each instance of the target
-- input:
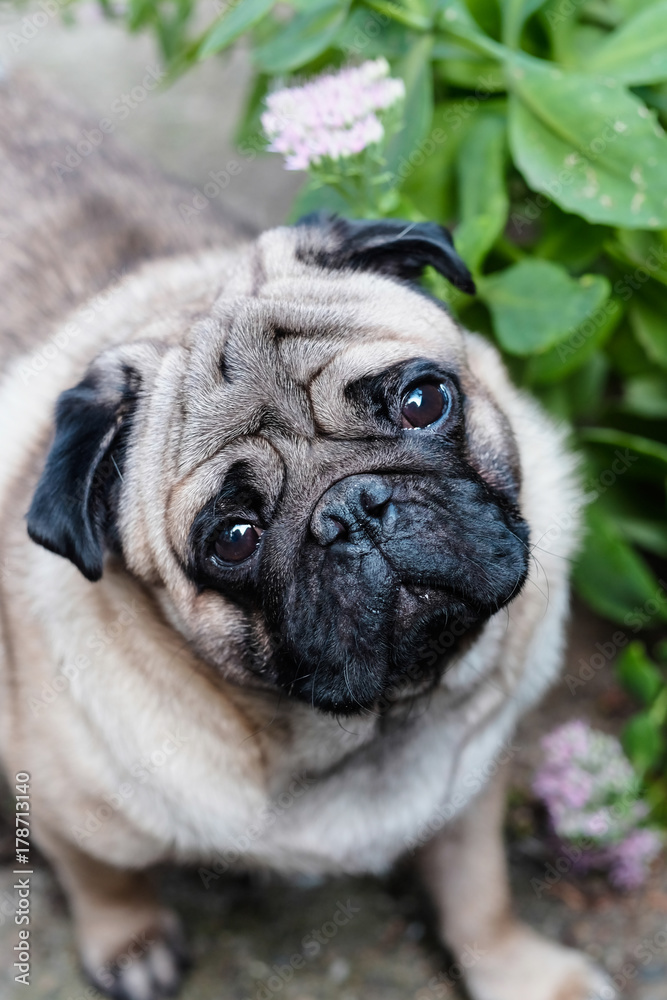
(373, 506)
(349, 504)
(339, 528)
(328, 529)
(374, 498)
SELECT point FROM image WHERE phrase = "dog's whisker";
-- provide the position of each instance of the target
(120, 474)
(263, 729)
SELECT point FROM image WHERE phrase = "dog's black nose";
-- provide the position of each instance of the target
(354, 502)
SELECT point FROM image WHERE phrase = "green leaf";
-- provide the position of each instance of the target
(424, 9)
(415, 69)
(367, 35)
(454, 15)
(570, 240)
(457, 22)
(569, 355)
(639, 514)
(647, 534)
(487, 14)
(249, 127)
(582, 41)
(317, 199)
(482, 188)
(515, 15)
(627, 355)
(650, 329)
(643, 742)
(654, 451)
(457, 64)
(637, 51)
(610, 575)
(139, 13)
(646, 396)
(426, 176)
(642, 250)
(579, 395)
(585, 387)
(625, 9)
(233, 23)
(638, 674)
(409, 15)
(302, 39)
(594, 148)
(535, 304)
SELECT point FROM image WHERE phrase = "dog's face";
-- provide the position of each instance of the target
(312, 481)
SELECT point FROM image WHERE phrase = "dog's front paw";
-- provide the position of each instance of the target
(525, 966)
(150, 967)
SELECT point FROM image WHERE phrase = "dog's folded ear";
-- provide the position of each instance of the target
(72, 510)
(390, 246)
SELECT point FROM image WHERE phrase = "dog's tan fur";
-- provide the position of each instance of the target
(153, 665)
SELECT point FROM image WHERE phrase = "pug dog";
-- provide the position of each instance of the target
(270, 484)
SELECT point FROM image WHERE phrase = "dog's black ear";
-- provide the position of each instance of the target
(72, 510)
(391, 246)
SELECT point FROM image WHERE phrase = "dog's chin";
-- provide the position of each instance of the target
(429, 631)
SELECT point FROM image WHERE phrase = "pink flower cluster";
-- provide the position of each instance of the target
(334, 116)
(592, 796)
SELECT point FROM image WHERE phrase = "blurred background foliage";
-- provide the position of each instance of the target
(534, 130)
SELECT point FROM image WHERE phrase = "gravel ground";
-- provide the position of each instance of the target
(241, 929)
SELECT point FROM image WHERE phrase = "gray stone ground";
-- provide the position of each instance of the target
(240, 929)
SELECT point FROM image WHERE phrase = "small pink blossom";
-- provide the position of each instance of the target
(567, 743)
(630, 860)
(591, 792)
(334, 116)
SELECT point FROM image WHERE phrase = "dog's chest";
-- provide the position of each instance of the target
(387, 798)
(341, 800)
(315, 795)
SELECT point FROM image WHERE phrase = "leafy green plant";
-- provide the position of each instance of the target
(533, 129)
(644, 737)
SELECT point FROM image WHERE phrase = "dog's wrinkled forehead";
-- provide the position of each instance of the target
(278, 356)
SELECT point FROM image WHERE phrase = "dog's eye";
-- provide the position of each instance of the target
(237, 542)
(424, 404)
